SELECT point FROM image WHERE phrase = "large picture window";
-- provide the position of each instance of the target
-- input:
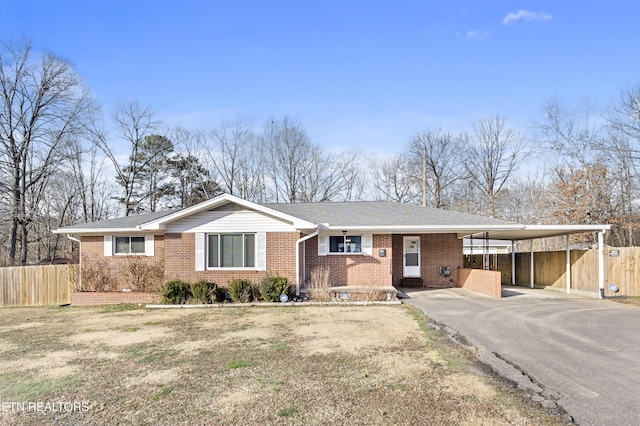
(345, 244)
(231, 250)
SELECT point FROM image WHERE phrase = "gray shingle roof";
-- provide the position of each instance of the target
(361, 213)
(380, 213)
(127, 222)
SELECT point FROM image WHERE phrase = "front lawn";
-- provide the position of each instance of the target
(303, 365)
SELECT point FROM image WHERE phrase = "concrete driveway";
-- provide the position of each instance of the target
(581, 353)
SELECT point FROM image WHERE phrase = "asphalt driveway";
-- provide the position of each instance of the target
(581, 353)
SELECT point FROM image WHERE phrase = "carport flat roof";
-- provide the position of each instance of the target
(528, 232)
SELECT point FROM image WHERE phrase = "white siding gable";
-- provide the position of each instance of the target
(229, 221)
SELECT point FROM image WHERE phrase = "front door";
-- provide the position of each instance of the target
(411, 257)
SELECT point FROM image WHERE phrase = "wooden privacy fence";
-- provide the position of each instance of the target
(620, 268)
(37, 285)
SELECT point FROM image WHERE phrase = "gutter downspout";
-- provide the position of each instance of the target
(298, 242)
(601, 262)
(79, 284)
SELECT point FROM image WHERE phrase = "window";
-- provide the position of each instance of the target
(231, 250)
(129, 245)
(345, 244)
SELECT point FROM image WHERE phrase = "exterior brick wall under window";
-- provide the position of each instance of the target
(176, 252)
(353, 269)
(113, 269)
(181, 263)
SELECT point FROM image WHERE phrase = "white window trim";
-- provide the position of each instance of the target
(345, 253)
(366, 245)
(231, 268)
(110, 245)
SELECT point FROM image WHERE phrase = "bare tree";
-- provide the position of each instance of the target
(42, 102)
(436, 159)
(570, 132)
(133, 123)
(286, 151)
(626, 116)
(492, 154)
(620, 149)
(300, 171)
(86, 171)
(237, 160)
(393, 181)
(352, 171)
(192, 179)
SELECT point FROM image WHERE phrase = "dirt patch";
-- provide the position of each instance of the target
(127, 336)
(304, 365)
(353, 330)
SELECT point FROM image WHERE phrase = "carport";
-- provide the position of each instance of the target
(533, 232)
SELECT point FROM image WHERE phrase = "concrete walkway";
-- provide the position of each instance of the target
(578, 352)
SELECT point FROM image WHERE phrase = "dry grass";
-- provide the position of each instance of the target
(319, 285)
(306, 365)
(634, 301)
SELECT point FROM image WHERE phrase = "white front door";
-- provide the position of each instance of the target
(411, 257)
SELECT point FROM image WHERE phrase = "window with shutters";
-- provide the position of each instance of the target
(345, 244)
(129, 245)
(231, 250)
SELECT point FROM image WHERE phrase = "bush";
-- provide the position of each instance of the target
(207, 292)
(271, 288)
(241, 290)
(176, 292)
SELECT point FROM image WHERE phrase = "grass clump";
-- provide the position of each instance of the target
(239, 364)
(288, 412)
(18, 387)
(161, 394)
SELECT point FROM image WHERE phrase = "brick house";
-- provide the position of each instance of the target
(357, 243)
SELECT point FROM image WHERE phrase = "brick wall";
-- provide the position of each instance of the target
(95, 298)
(95, 265)
(480, 281)
(180, 262)
(353, 269)
(436, 250)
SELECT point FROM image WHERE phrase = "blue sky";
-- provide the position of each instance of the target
(358, 74)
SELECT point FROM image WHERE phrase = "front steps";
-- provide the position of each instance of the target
(412, 283)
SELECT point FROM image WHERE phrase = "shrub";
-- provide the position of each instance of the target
(271, 288)
(95, 275)
(207, 292)
(176, 292)
(241, 290)
(219, 295)
(142, 274)
(202, 291)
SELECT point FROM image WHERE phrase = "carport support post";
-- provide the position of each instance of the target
(531, 272)
(568, 266)
(601, 262)
(513, 262)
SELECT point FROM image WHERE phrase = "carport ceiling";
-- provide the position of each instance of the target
(528, 232)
